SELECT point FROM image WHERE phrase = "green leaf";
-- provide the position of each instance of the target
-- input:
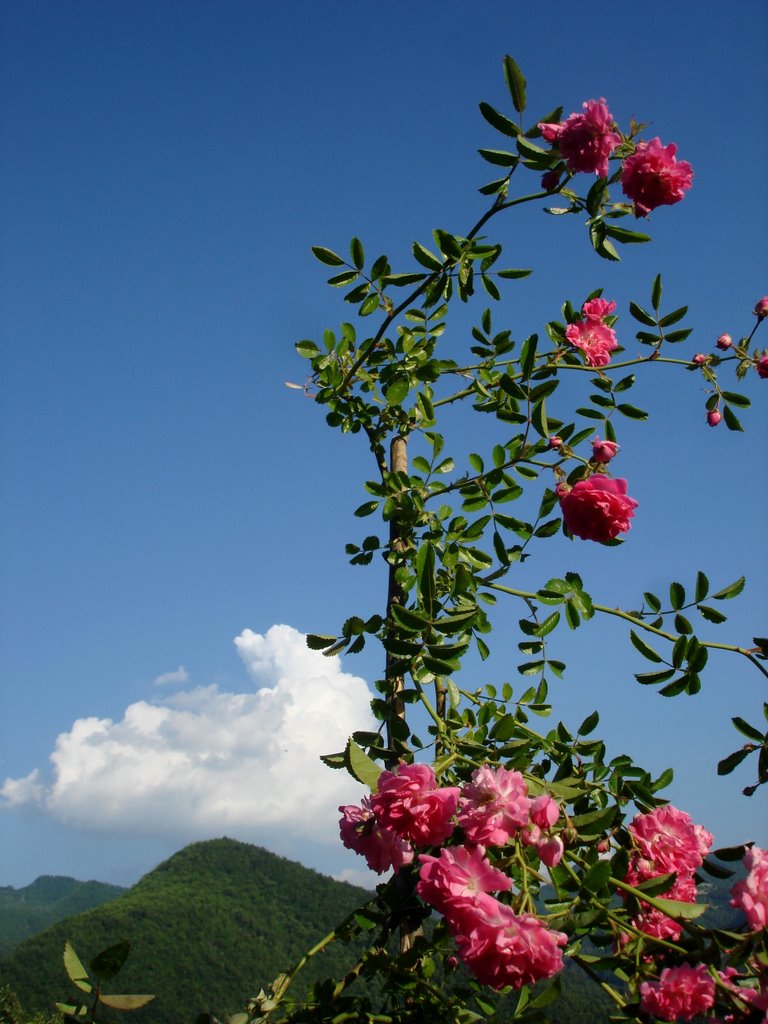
(625, 236)
(645, 649)
(732, 590)
(672, 318)
(711, 614)
(632, 412)
(357, 253)
(106, 964)
(597, 876)
(425, 574)
(74, 968)
(397, 392)
(731, 420)
(677, 909)
(499, 121)
(125, 1002)
(589, 723)
(366, 509)
(676, 595)
(307, 348)
(316, 642)
(363, 767)
(640, 314)
(499, 157)
(515, 83)
(740, 401)
(425, 257)
(512, 274)
(748, 730)
(656, 292)
(702, 586)
(347, 277)
(326, 256)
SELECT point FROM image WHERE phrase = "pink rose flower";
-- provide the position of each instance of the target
(503, 948)
(713, 417)
(652, 176)
(585, 140)
(761, 308)
(597, 508)
(453, 882)
(410, 803)
(681, 993)
(654, 922)
(494, 806)
(544, 811)
(724, 342)
(762, 366)
(603, 451)
(592, 335)
(699, 359)
(751, 894)
(550, 851)
(381, 848)
(668, 839)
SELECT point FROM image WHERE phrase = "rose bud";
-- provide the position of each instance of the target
(761, 308)
(713, 417)
(603, 451)
(724, 341)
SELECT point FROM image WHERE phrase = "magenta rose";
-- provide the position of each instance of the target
(361, 832)
(762, 367)
(761, 308)
(411, 804)
(597, 508)
(592, 334)
(681, 993)
(585, 140)
(603, 451)
(652, 176)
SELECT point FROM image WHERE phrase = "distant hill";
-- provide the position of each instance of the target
(50, 898)
(208, 928)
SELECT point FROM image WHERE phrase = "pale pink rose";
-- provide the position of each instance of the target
(555, 441)
(409, 802)
(503, 948)
(597, 508)
(762, 366)
(544, 811)
(603, 451)
(713, 417)
(494, 806)
(724, 342)
(751, 894)
(381, 848)
(668, 838)
(452, 882)
(699, 359)
(550, 851)
(681, 993)
(585, 140)
(652, 176)
(592, 335)
(761, 308)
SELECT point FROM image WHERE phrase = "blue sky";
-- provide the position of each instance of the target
(166, 167)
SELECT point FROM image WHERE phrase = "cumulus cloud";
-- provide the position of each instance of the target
(179, 675)
(203, 762)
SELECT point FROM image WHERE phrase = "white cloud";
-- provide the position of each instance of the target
(179, 675)
(203, 762)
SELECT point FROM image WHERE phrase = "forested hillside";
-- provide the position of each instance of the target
(50, 898)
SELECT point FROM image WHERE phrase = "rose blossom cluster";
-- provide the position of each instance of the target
(499, 946)
(666, 841)
(651, 176)
(592, 334)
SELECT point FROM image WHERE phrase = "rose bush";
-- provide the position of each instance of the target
(529, 842)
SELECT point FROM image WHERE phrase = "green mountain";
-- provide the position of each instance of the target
(50, 898)
(208, 928)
